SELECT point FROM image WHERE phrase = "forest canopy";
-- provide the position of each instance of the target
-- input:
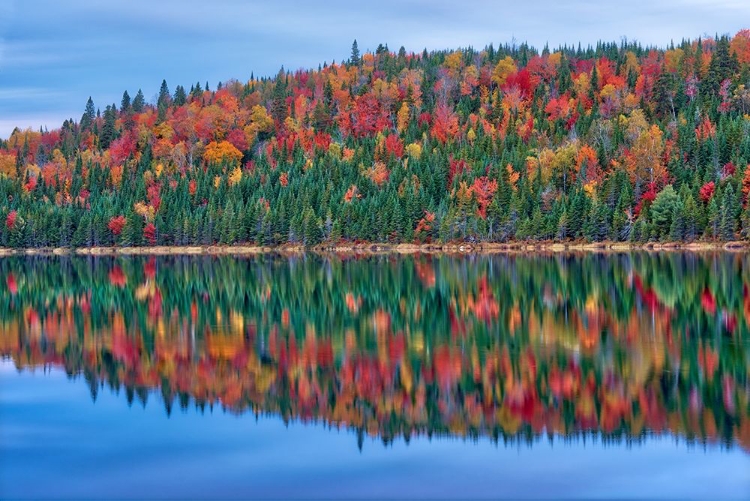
(615, 142)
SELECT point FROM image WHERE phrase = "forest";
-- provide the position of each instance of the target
(614, 142)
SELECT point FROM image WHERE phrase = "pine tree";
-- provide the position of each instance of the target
(355, 59)
(125, 103)
(108, 129)
(728, 223)
(712, 226)
(139, 102)
(87, 120)
(663, 209)
(180, 96)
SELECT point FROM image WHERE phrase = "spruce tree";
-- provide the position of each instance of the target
(355, 59)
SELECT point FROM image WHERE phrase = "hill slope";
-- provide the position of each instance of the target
(616, 142)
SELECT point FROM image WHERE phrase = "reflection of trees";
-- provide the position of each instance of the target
(506, 347)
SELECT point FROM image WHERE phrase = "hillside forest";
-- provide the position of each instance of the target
(613, 142)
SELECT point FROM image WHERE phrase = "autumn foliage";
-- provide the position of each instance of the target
(501, 144)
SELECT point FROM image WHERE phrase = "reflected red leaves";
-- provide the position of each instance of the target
(117, 277)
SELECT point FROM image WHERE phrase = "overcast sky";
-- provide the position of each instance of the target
(54, 54)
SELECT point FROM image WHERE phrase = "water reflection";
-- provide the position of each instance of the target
(509, 347)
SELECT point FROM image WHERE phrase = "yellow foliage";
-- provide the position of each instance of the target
(159, 169)
(414, 150)
(164, 131)
(463, 195)
(590, 188)
(582, 84)
(453, 62)
(608, 91)
(261, 119)
(291, 124)
(402, 117)
(673, 58)
(631, 63)
(147, 212)
(504, 68)
(334, 149)
(19, 137)
(235, 177)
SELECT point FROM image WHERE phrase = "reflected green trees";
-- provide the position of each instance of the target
(509, 347)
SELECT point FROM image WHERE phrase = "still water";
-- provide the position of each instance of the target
(396, 377)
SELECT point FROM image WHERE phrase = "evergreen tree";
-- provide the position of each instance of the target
(728, 224)
(662, 210)
(125, 103)
(87, 120)
(180, 96)
(355, 59)
(139, 102)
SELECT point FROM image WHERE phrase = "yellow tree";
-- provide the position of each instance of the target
(645, 160)
(504, 68)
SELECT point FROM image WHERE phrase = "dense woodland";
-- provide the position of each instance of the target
(616, 142)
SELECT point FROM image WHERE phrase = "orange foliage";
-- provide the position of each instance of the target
(8, 165)
(223, 151)
(740, 45)
(378, 173)
(351, 193)
(483, 190)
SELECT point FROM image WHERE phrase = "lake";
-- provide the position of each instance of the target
(531, 376)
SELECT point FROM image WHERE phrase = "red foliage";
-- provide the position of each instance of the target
(152, 193)
(728, 170)
(649, 196)
(523, 81)
(12, 284)
(445, 126)
(10, 221)
(117, 277)
(149, 233)
(483, 189)
(116, 224)
(455, 167)
(30, 184)
(394, 146)
(708, 302)
(149, 269)
(122, 148)
(707, 191)
(192, 187)
(238, 139)
(322, 141)
(367, 117)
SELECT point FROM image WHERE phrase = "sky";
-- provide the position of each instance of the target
(54, 55)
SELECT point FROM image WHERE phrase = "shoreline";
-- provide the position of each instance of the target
(386, 248)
